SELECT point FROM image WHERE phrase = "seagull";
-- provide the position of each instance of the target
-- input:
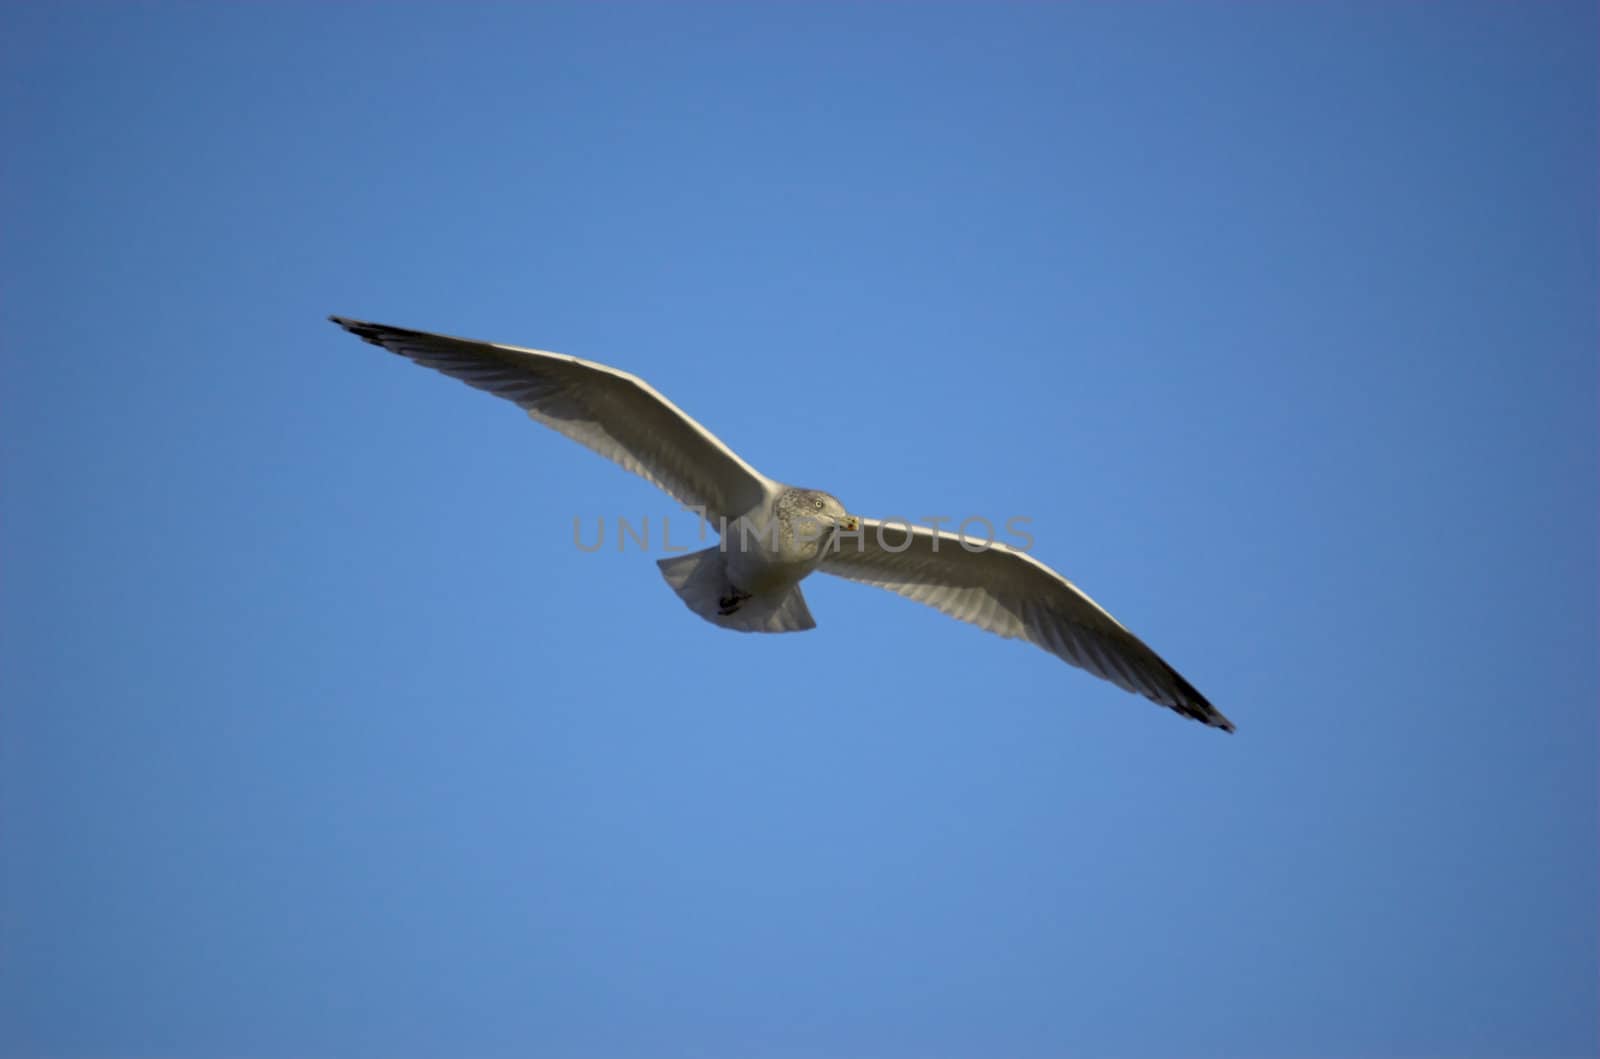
(774, 535)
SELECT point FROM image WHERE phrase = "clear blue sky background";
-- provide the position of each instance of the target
(319, 737)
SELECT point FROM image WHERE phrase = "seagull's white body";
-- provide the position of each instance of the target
(777, 535)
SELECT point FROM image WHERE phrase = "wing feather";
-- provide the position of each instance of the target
(616, 414)
(1014, 595)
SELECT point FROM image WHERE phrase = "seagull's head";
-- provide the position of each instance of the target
(811, 516)
(826, 509)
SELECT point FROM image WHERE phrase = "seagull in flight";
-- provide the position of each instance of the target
(775, 535)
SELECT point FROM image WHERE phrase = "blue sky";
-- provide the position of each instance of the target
(320, 738)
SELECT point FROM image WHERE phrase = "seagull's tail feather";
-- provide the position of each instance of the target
(701, 581)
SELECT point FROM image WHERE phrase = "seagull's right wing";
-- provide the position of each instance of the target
(618, 415)
(1013, 594)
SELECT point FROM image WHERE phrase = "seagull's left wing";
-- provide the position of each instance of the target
(1013, 594)
(618, 415)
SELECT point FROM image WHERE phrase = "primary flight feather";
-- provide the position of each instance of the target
(776, 535)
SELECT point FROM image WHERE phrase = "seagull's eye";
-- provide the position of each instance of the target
(818, 503)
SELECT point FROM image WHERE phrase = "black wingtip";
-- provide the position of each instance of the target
(360, 328)
(1213, 717)
(1208, 717)
(1196, 706)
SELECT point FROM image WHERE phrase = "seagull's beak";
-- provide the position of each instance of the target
(849, 523)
